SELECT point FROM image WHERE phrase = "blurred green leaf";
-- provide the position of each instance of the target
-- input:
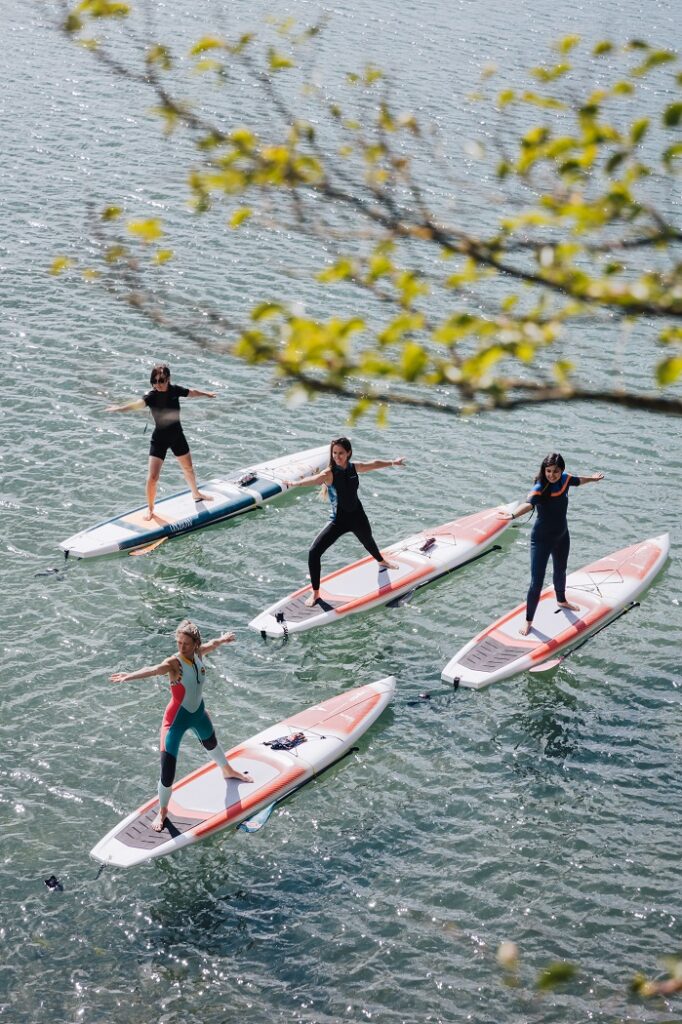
(555, 974)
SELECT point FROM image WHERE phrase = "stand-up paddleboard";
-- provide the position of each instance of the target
(601, 590)
(180, 513)
(421, 558)
(279, 760)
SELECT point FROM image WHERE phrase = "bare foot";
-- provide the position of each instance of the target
(568, 606)
(202, 497)
(388, 565)
(526, 628)
(149, 514)
(159, 821)
(311, 601)
(232, 773)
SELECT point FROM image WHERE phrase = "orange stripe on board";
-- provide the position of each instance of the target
(263, 795)
(388, 589)
(572, 633)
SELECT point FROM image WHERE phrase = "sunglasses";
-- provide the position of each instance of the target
(161, 379)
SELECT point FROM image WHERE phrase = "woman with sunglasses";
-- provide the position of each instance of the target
(550, 536)
(340, 483)
(163, 401)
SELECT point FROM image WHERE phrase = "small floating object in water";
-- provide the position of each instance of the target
(53, 884)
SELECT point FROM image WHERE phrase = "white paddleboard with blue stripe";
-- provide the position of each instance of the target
(180, 513)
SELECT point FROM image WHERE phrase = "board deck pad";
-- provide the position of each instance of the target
(600, 591)
(203, 802)
(180, 513)
(419, 559)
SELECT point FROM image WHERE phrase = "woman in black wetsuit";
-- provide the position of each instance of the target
(550, 534)
(163, 401)
(347, 514)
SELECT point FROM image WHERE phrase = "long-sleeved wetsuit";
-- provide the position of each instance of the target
(550, 537)
(346, 516)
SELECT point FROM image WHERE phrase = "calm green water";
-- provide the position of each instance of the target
(545, 810)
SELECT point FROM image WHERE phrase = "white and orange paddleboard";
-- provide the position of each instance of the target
(362, 585)
(279, 760)
(601, 591)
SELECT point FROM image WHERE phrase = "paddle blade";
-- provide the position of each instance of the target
(148, 547)
(546, 666)
(256, 823)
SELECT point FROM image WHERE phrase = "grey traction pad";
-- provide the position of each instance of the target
(489, 655)
(297, 610)
(140, 834)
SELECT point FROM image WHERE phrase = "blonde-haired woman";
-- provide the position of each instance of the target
(186, 708)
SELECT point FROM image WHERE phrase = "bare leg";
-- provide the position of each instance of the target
(160, 819)
(232, 773)
(153, 473)
(188, 471)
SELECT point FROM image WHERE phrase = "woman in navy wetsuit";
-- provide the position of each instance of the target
(163, 401)
(550, 534)
(186, 708)
(347, 514)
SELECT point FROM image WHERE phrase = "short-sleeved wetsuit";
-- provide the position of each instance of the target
(550, 537)
(346, 516)
(185, 711)
(168, 433)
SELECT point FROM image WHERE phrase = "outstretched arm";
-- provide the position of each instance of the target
(196, 393)
(520, 510)
(367, 467)
(594, 479)
(163, 669)
(136, 404)
(323, 477)
(210, 645)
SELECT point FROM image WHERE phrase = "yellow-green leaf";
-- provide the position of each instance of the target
(60, 264)
(159, 56)
(277, 61)
(239, 216)
(669, 370)
(567, 43)
(207, 43)
(672, 115)
(163, 255)
(555, 974)
(104, 8)
(266, 310)
(149, 230)
(638, 130)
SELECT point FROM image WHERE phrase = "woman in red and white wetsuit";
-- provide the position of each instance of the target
(186, 708)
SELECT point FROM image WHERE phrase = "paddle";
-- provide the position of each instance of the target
(547, 666)
(148, 547)
(256, 823)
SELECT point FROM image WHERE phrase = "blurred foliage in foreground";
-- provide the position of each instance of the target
(486, 272)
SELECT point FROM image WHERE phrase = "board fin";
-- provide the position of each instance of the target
(148, 547)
